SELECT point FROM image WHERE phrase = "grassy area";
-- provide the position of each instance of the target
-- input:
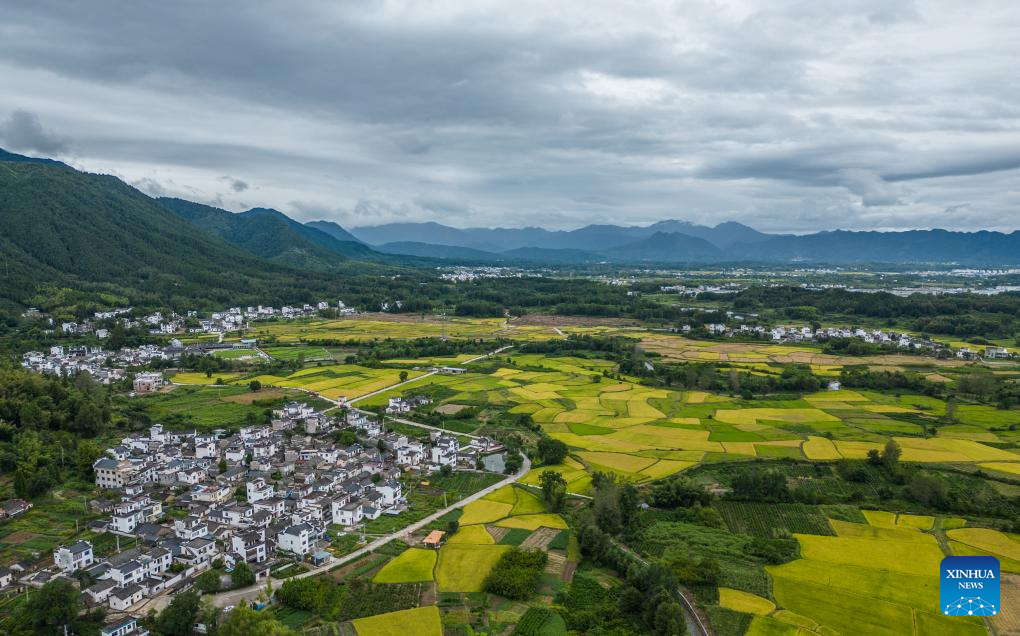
(212, 406)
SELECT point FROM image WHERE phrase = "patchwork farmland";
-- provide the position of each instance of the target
(614, 424)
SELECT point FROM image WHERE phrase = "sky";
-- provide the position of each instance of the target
(789, 116)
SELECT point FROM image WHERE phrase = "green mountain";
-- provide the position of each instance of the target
(270, 234)
(334, 230)
(73, 241)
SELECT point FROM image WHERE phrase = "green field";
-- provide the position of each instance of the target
(411, 566)
(642, 433)
(212, 406)
(420, 620)
(867, 579)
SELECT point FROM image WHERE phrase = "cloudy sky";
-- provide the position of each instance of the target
(785, 115)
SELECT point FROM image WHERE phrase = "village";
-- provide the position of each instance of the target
(273, 497)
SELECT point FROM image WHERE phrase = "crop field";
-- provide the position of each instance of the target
(463, 568)
(335, 381)
(238, 354)
(642, 433)
(766, 357)
(768, 520)
(987, 542)
(746, 602)
(438, 361)
(466, 558)
(420, 620)
(201, 378)
(311, 354)
(411, 566)
(208, 406)
(380, 327)
(873, 579)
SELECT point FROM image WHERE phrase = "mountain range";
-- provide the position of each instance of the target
(68, 231)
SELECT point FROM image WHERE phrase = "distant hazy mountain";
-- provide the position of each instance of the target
(552, 256)
(269, 234)
(667, 247)
(429, 250)
(722, 235)
(914, 246)
(588, 238)
(334, 230)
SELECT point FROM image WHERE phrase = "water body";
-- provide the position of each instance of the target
(495, 462)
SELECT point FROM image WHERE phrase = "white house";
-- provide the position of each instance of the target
(250, 546)
(298, 539)
(391, 492)
(74, 557)
(258, 489)
(122, 599)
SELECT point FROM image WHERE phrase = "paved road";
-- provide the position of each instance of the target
(250, 593)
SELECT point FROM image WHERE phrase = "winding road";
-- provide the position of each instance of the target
(250, 593)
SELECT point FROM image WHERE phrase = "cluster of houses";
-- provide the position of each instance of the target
(401, 405)
(899, 340)
(104, 366)
(186, 500)
(466, 274)
(694, 291)
(159, 323)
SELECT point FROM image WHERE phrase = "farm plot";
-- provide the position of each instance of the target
(769, 520)
(411, 566)
(985, 541)
(289, 354)
(867, 579)
(379, 327)
(463, 568)
(334, 381)
(420, 620)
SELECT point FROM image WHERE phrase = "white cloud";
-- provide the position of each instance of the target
(787, 115)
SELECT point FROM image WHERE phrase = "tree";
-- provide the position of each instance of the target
(88, 419)
(928, 489)
(891, 455)
(178, 619)
(669, 619)
(551, 451)
(255, 385)
(208, 581)
(554, 489)
(242, 576)
(677, 492)
(403, 376)
(50, 609)
(513, 462)
(244, 621)
(85, 455)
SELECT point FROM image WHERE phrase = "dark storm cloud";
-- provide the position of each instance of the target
(22, 131)
(788, 115)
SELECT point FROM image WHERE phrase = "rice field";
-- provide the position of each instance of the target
(875, 579)
(411, 566)
(420, 620)
(336, 380)
(467, 557)
(463, 568)
(643, 433)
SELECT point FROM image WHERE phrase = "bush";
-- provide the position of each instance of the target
(517, 574)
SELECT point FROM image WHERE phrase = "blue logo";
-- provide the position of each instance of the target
(969, 586)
